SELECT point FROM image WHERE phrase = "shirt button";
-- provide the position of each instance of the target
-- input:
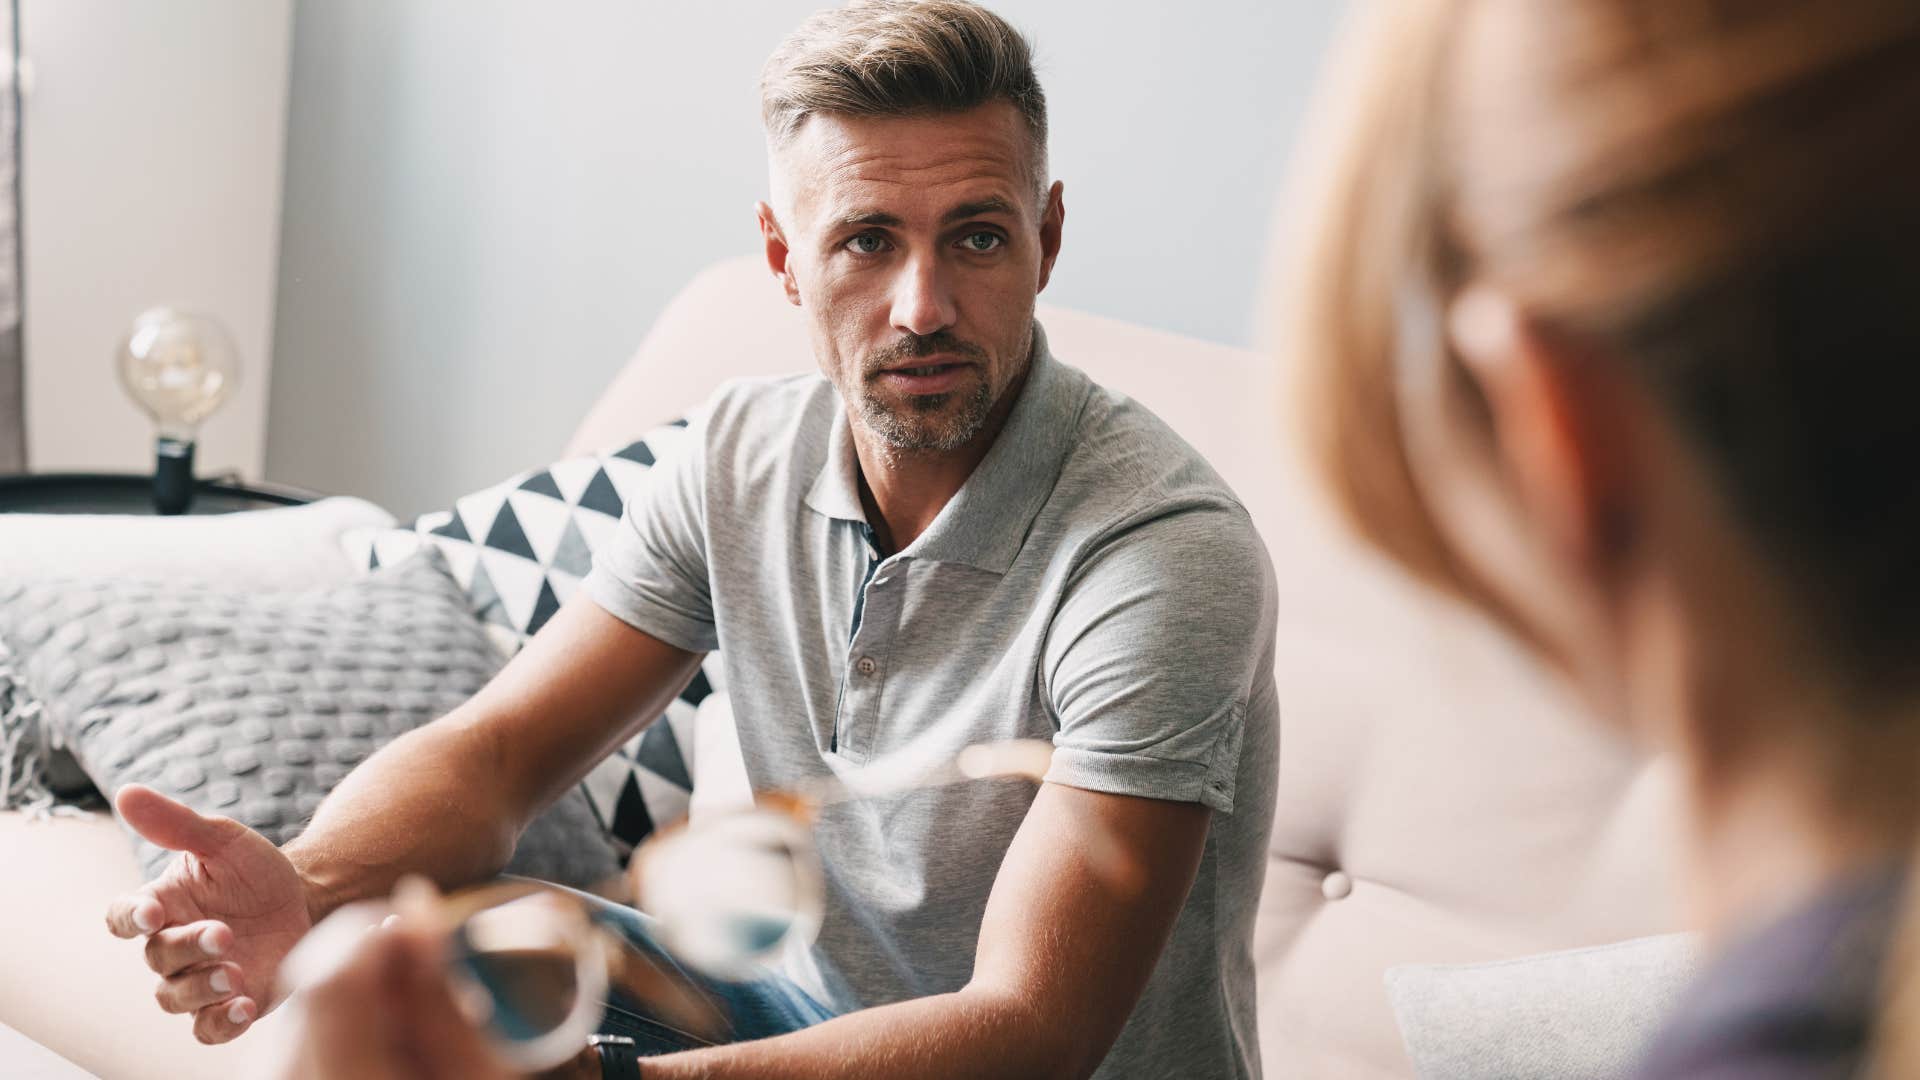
(867, 666)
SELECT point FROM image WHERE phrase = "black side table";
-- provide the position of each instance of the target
(132, 493)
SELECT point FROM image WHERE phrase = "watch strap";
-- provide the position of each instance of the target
(619, 1058)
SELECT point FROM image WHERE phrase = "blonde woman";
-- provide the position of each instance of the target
(1610, 318)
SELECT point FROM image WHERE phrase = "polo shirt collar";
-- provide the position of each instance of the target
(985, 524)
(836, 492)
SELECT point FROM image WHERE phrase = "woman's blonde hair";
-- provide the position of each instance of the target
(1724, 198)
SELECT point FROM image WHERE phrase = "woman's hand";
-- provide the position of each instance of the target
(385, 1012)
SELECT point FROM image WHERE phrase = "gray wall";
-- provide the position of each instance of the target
(487, 203)
(13, 404)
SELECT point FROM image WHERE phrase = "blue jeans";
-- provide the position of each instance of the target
(753, 1009)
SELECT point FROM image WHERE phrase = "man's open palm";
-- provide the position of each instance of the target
(219, 921)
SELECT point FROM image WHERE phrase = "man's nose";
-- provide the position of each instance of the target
(922, 302)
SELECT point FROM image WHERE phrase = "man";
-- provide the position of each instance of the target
(951, 538)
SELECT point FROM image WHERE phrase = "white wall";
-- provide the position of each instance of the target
(488, 202)
(152, 141)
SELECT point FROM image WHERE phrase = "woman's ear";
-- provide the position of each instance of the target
(1563, 429)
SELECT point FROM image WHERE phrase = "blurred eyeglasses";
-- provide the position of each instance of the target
(728, 893)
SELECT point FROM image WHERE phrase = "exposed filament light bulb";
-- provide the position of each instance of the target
(179, 367)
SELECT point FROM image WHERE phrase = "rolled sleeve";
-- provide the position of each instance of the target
(652, 573)
(1154, 654)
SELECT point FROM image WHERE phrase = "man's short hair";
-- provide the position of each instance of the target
(901, 58)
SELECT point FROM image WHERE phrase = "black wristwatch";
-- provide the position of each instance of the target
(619, 1060)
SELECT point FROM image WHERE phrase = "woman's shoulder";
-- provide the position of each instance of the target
(1795, 999)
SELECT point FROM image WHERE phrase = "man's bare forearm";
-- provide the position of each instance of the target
(426, 804)
(959, 1036)
(1070, 936)
(450, 799)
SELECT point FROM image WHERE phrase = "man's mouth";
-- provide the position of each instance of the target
(925, 376)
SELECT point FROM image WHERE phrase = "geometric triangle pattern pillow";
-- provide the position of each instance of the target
(520, 549)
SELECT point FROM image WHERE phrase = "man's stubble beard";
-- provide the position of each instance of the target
(927, 424)
(923, 424)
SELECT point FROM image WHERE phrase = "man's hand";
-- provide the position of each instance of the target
(446, 801)
(219, 921)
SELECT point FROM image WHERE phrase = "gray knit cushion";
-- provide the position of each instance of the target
(255, 704)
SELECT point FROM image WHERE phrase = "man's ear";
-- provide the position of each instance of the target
(1562, 427)
(1051, 223)
(777, 252)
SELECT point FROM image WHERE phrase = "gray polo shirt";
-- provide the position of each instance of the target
(1094, 583)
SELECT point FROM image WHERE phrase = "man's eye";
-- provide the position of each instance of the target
(866, 244)
(981, 241)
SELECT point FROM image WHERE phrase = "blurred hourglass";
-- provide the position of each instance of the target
(179, 367)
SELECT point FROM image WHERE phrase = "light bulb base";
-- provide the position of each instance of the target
(172, 475)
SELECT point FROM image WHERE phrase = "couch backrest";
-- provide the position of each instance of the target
(1439, 800)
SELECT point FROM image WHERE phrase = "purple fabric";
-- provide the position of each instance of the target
(1795, 1000)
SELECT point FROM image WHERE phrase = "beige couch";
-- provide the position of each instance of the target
(1439, 798)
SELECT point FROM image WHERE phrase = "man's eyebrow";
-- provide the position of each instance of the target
(871, 217)
(993, 205)
(980, 208)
